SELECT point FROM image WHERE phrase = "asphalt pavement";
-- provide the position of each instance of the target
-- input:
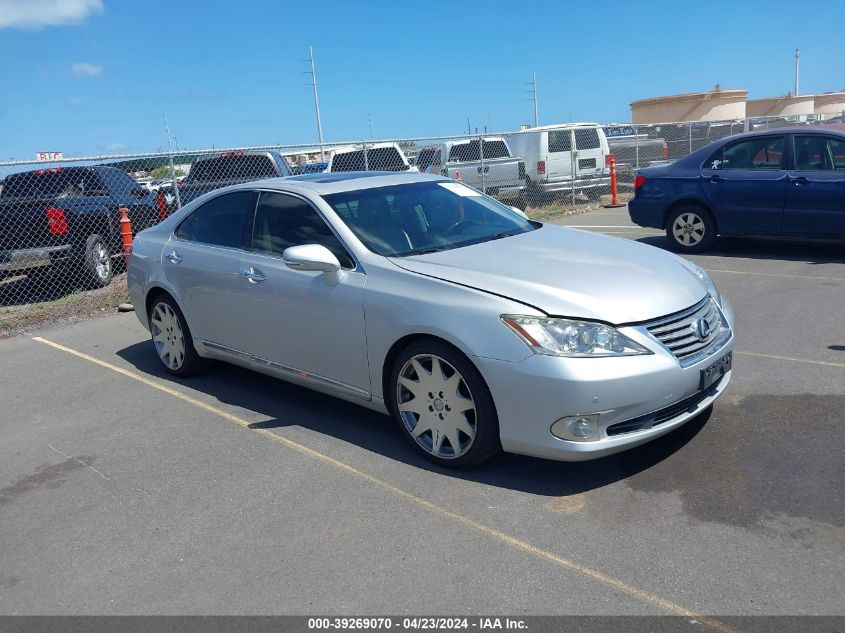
(126, 491)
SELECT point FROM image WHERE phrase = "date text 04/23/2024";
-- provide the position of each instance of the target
(417, 623)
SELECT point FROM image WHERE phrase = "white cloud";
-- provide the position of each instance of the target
(84, 69)
(76, 102)
(36, 14)
(114, 147)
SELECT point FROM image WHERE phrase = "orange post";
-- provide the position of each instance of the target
(614, 200)
(126, 232)
(613, 197)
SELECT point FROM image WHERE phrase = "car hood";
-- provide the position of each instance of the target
(570, 272)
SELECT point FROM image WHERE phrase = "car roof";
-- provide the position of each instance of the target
(336, 182)
(557, 126)
(822, 129)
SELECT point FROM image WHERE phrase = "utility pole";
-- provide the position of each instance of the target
(172, 167)
(370, 121)
(533, 84)
(313, 74)
(797, 66)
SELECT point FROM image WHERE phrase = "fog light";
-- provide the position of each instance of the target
(577, 428)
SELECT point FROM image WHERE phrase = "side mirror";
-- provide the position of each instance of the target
(519, 212)
(314, 257)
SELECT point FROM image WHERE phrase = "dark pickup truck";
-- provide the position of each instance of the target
(229, 168)
(69, 218)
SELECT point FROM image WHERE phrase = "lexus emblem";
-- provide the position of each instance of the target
(701, 329)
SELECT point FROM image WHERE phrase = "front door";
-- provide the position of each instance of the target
(815, 196)
(745, 184)
(295, 318)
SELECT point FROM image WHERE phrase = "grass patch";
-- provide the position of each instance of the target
(77, 305)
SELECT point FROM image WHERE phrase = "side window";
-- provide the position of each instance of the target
(819, 153)
(222, 221)
(759, 154)
(587, 138)
(560, 141)
(282, 221)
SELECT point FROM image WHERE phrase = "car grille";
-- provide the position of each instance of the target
(650, 420)
(680, 332)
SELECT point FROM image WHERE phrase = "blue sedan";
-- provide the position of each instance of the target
(787, 182)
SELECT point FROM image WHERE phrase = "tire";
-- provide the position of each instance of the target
(97, 267)
(172, 339)
(461, 427)
(690, 229)
(535, 196)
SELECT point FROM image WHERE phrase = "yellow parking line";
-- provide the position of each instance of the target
(517, 543)
(792, 359)
(744, 272)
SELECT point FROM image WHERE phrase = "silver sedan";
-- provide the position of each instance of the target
(475, 328)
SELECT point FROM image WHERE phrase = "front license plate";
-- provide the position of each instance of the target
(713, 374)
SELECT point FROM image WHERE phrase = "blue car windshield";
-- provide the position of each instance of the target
(424, 217)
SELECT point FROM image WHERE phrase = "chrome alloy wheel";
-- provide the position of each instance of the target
(436, 406)
(101, 260)
(688, 228)
(167, 334)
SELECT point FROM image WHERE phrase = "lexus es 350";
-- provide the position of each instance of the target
(475, 328)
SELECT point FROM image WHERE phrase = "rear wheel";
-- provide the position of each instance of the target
(172, 337)
(97, 267)
(691, 229)
(443, 405)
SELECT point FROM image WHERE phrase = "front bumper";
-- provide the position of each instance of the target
(26, 258)
(531, 395)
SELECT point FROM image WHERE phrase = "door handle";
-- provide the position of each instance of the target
(252, 276)
(173, 256)
(800, 180)
(715, 178)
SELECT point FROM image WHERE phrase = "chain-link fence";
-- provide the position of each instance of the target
(61, 234)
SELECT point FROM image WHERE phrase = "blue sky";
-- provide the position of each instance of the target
(94, 76)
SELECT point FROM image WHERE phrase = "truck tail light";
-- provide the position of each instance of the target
(665, 149)
(541, 167)
(56, 221)
(161, 205)
(607, 159)
(639, 181)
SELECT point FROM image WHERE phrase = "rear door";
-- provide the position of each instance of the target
(202, 262)
(589, 157)
(745, 183)
(559, 161)
(815, 195)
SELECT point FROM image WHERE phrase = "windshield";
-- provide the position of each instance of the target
(424, 217)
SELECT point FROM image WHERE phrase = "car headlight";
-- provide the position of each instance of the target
(565, 337)
(705, 278)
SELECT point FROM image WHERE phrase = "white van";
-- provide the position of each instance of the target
(563, 158)
(369, 157)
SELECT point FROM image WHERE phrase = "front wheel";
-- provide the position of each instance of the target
(443, 405)
(691, 229)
